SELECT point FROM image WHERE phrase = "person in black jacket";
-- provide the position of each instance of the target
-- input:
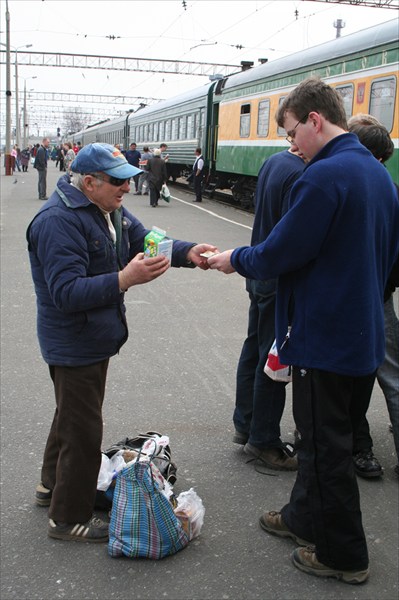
(260, 400)
(376, 138)
(41, 166)
(157, 176)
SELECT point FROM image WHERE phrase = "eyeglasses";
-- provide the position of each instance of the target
(291, 134)
(112, 180)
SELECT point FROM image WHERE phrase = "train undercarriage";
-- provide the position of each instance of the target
(241, 187)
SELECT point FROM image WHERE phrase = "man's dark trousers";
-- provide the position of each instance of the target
(324, 507)
(72, 457)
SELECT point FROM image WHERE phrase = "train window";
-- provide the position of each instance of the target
(263, 118)
(167, 130)
(183, 132)
(280, 130)
(190, 127)
(245, 120)
(173, 131)
(156, 130)
(150, 132)
(346, 92)
(382, 101)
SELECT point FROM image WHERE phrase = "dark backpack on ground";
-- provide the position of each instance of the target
(163, 461)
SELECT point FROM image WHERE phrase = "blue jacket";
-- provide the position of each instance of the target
(333, 251)
(74, 262)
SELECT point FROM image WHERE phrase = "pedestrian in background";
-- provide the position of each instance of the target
(198, 175)
(25, 157)
(86, 251)
(157, 176)
(40, 165)
(69, 156)
(143, 186)
(59, 159)
(332, 252)
(260, 400)
(133, 158)
(163, 148)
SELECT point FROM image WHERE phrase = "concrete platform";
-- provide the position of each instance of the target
(176, 375)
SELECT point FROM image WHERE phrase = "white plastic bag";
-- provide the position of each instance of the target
(274, 369)
(109, 469)
(190, 512)
(165, 193)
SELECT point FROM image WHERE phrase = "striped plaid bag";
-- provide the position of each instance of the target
(143, 523)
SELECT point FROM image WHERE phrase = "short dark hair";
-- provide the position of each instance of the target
(310, 95)
(376, 139)
(145, 148)
(198, 150)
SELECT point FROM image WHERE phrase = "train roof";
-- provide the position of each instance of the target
(181, 99)
(356, 42)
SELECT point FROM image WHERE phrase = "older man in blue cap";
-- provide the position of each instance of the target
(86, 251)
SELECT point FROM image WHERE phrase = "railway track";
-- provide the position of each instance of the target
(220, 196)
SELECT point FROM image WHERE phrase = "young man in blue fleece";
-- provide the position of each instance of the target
(332, 252)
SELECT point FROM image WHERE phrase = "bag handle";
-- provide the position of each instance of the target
(150, 456)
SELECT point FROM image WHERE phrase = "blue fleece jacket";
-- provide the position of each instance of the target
(332, 251)
(75, 264)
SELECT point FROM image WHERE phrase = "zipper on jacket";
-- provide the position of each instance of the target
(287, 337)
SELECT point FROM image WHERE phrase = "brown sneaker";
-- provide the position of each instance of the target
(94, 530)
(273, 523)
(305, 560)
(43, 495)
(274, 458)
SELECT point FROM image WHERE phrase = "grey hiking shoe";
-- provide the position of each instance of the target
(94, 530)
(305, 560)
(278, 459)
(273, 523)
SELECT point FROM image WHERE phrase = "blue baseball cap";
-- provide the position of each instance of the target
(105, 158)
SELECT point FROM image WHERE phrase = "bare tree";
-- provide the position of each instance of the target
(74, 120)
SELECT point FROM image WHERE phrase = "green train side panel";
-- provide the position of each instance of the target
(247, 160)
(393, 166)
(244, 160)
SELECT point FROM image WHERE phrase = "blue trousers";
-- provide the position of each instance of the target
(260, 401)
(388, 373)
(324, 507)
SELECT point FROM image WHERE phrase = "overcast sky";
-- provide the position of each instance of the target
(205, 31)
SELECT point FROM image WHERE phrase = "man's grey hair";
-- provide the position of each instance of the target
(77, 179)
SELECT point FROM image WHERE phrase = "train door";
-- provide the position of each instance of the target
(214, 99)
(213, 137)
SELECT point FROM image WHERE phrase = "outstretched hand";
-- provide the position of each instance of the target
(221, 262)
(142, 270)
(193, 255)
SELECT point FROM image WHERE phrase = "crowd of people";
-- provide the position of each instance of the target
(320, 273)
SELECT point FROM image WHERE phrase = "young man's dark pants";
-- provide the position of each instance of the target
(260, 400)
(72, 457)
(324, 507)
